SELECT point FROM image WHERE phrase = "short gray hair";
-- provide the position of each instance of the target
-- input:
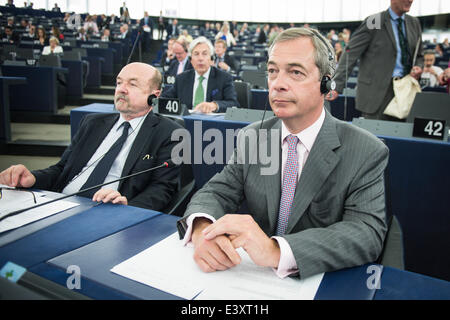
(324, 56)
(198, 41)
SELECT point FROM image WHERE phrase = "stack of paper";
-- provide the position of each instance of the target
(13, 200)
(169, 266)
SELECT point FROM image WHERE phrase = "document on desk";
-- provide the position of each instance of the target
(13, 200)
(169, 266)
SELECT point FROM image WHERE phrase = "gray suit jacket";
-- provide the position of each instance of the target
(377, 51)
(338, 216)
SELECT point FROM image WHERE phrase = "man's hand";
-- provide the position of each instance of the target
(247, 234)
(17, 176)
(206, 107)
(416, 72)
(108, 195)
(332, 95)
(212, 255)
(224, 66)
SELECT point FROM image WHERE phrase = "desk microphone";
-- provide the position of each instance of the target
(134, 46)
(347, 52)
(167, 164)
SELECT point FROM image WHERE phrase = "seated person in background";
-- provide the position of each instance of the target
(53, 48)
(182, 62)
(438, 51)
(320, 206)
(82, 35)
(204, 88)
(187, 36)
(31, 35)
(221, 59)
(109, 146)
(56, 32)
(42, 37)
(106, 37)
(10, 36)
(444, 78)
(226, 35)
(168, 55)
(431, 73)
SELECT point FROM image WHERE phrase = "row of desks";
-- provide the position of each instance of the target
(418, 183)
(97, 237)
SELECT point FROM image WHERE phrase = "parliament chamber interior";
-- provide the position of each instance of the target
(59, 62)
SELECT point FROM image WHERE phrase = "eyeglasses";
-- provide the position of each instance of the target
(17, 189)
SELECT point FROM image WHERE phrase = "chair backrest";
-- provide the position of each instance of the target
(256, 78)
(72, 55)
(14, 63)
(430, 105)
(392, 254)
(244, 93)
(82, 51)
(50, 60)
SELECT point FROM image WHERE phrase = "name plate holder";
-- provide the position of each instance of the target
(169, 107)
(246, 115)
(397, 129)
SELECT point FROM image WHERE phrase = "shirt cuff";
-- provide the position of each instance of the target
(190, 220)
(287, 265)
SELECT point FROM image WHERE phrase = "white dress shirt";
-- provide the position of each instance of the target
(307, 137)
(204, 84)
(117, 167)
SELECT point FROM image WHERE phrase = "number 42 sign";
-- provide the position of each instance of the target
(429, 128)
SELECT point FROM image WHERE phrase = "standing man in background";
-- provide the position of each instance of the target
(385, 51)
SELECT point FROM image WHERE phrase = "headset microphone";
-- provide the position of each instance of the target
(150, 99)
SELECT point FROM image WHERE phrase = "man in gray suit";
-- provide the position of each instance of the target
(384, 54)
(324, 208)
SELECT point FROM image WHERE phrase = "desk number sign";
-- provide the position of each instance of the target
(429, 128)
(169, 106)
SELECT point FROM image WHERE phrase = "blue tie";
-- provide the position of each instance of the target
(100, 172)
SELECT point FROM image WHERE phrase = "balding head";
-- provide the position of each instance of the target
(135, 83)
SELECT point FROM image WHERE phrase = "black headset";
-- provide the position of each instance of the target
(326, 84)
(150, 99)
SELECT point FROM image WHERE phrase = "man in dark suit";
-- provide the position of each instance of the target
(222, 60)
(182, 62)
(133, 140)
(10, 35)
(172, 29)
(384, 54)
(205, 88)
(318, 205)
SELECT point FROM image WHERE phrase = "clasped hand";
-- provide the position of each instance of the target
(216, 243)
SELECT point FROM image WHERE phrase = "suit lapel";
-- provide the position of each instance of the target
(211, 80)
(145, 134)
(272, 183)
(388, 27)
(412, 39)
(188, 89)
(85, 150)
(321, 162)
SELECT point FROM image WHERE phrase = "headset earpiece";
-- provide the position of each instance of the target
(327, 85)
(150, 99)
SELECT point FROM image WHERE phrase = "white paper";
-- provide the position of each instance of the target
(169, 266)
(17, 200)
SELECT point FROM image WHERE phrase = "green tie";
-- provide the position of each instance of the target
(199, 93)
(404, 48)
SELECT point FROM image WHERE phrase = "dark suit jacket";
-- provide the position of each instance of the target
(338, 212)
(170, 30)
(173, 67)
(220, 89)
(229, 61)
(152, 190)
(377, 51)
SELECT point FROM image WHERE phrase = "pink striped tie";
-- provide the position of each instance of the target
(289, 182)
